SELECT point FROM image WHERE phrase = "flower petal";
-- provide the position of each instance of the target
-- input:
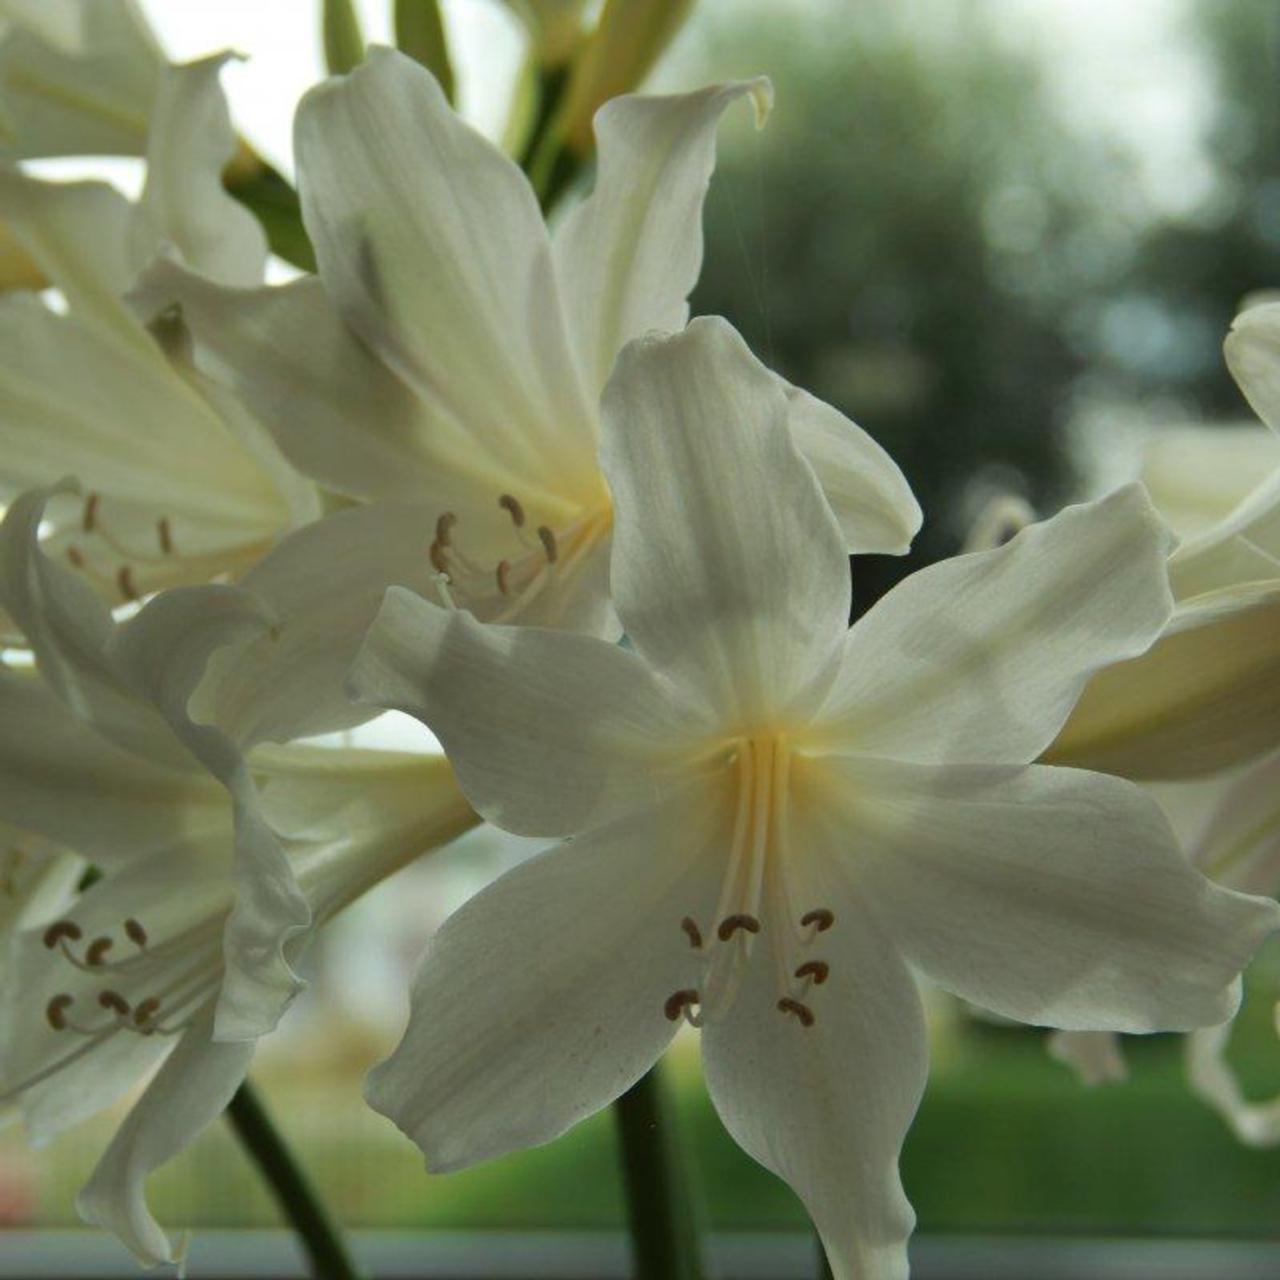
(826, 1107)
(1095, 1056)
(869, 495)
(1240, 844)
(1052, 896)
(550, 732)
(629, 254)
(1252, 349)
(1256, 1124)
(981, 657)
(184, 203)
(432, 245)
(190, 1091)
(541, 1000)
(729, 570)
(1205, 697)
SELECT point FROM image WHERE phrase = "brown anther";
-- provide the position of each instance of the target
(60, 929)
(146, 1011)
(820, 918)
(114, 1001)
(124, 580)
(731, 924)
(801, 1010)
(548, 543)
(274, 633)
(165, 534)
(818, 970)
(444, 527)
(96, 952)
(438, 561)
(693, 933)
(89, 519)
(677, 1002)
(76, 556)
(511, 505)
(503, 574)
(56, 1011)
(134, 931)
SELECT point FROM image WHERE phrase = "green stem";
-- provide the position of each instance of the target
(293, 1192)
(664, 1237)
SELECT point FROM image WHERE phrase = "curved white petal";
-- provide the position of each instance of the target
(190, 1091)
(184, 203)
(869, 495)
(1095, 1056)
(1206, 696)
(1256, 1124)
(1052, 896)
(826, 1107)
(432, 245)
(1252, 349)
(1240, 844)
(981, 657)
(551, 733)
(542, 999)
(729, 570)
(629, 254)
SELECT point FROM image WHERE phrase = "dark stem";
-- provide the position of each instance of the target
(660, 1214)
(293, 1192)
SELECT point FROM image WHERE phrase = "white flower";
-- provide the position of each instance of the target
(445, 370)
(1207, 695)
(183, 484)
(77, 77)
(773, 816)
(218, 870)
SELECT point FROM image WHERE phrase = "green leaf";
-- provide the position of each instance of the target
(268, 195)
(420, 34)
(343, 40)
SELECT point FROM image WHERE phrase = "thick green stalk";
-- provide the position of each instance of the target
(664, 1237)
(293, 1191)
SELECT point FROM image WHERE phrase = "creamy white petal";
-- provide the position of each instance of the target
(729, 570)
(1053, 896)
(1205, 697)
(93, 97)
(184, 203)
(869, 495)
(190, 1091)
(981, 657)
(1256, 1124)
(541, 1000)
(1252, 349)
(629, 254)
(550, 732)
(434, 249)
(826, 1107)
(1095, 1056)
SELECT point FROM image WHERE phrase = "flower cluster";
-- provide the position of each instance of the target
(446, 474)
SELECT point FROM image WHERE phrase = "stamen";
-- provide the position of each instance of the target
(96, 952)
(165, 535)
(56, 1011)
(548, 543)
(76, 556)
(134, 931)
(439, 562)
(512, 507)
(114, 1001)
(124, 580)
(820, 918)
(731, 924)
(801, 1010)
(818, 970)
(675, 1004)
(693, 933)
(60, 929)
(504, 575)
(146, 1011)
(89, 518)
(444, 527)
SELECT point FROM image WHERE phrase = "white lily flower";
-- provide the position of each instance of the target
(77, 77)
(774, 816)
(183, 484)
(217, 870)
(1207, 695)
(446, 368)
(37, 879)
